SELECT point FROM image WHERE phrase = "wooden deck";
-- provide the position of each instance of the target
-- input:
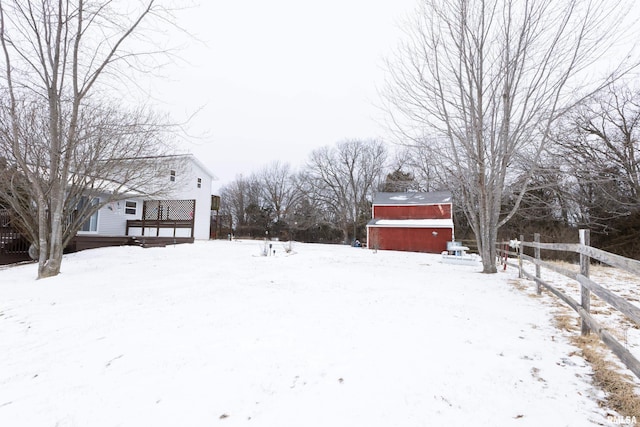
(82, 242)
(169, 217)
(157, 225)
(165, 214)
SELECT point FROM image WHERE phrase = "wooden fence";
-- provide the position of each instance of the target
(587, 286)
(14, 246)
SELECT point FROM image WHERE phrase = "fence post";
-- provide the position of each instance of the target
(520, 252)
(506, 255)
(536, 251)
(585, 294)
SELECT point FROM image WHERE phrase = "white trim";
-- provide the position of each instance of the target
(414, 204)
(135, 208)
(413, 223)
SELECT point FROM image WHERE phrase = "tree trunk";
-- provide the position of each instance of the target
(51, 247)
(488, 251)
(43, 226)
(51, 267)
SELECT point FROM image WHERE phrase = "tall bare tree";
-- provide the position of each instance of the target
(279, 189)
(238, 196)
(68, 142)
(422, 164)
(344, 179)
(599, 145)
(606, 137)
(479, 83)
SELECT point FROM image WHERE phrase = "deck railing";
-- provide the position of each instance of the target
(165, 214)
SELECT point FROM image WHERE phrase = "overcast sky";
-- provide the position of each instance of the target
(276, 79)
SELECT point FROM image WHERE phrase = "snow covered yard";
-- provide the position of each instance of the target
(214, 334)
(618, 281)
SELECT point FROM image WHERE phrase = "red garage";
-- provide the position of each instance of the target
(416, 222)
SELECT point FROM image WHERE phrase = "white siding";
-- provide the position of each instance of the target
(112, 219)
(188, 189)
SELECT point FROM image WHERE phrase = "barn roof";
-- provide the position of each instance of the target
(413, 198)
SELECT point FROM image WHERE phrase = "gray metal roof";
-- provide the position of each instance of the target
(413, 198)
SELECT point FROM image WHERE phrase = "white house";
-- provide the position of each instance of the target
(186, 197)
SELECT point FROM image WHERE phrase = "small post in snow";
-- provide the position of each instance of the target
(536, 239)
(520, 251)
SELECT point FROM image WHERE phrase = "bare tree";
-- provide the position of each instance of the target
(599, 143)
(344, 179)
(233, 200)
(279, 189)
(238, 197)
(423, 165)
(116, 157)
(66, 142)
(310, 219)
(482, 81)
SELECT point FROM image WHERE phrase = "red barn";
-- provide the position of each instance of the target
(416, 222)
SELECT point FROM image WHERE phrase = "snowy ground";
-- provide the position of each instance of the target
(215, 334)
(618, 281)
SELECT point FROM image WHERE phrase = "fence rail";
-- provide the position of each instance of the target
(587, 285)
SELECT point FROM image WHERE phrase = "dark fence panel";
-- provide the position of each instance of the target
(14, 246)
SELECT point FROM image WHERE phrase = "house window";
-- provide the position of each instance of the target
(199, 182)
(172, 176)
(130, 207)
(91, 225)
